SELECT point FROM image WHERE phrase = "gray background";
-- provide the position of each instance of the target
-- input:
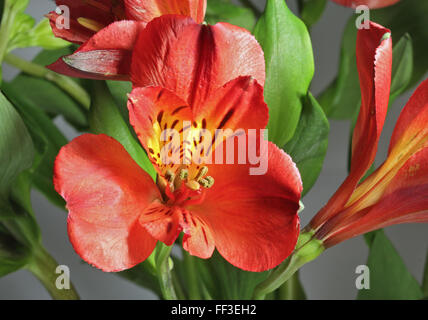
(331, 276)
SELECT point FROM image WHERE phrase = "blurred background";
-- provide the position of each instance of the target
(331, 276)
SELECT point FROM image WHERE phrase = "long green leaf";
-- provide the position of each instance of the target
(289, 67)
(389, 277)
(308, 146)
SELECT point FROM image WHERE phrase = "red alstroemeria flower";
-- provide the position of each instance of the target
(397, 192)
(372, 4)
(117, 213)
(87, 17)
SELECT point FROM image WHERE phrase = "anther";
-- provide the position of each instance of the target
(193, 185)
(202, 173)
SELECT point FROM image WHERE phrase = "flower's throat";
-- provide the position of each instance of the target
(180, 189)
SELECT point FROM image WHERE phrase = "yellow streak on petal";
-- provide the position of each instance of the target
(90, 24)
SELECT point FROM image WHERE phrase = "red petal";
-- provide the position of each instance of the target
(162, 222)
(374, 62)
(105, 191)
(103, 12)
(237, 105)
(253, 218)
(146, 11)
(194, 60)
(155, 107)
(405, 200)
(372, 4)
(107, 55)
(412, 123)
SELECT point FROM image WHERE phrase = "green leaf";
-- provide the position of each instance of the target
(311, 11)
(105, 117)
(47, 139)
(27, 34)
(402, 66)
(16, 146)
(223, 11)
(389, 277)
(289, 67)
(47, 96)
(408, 16)
(342, 98)
(308, 146)
(224, 281)
(13, 255)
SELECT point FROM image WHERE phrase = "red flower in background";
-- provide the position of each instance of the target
(87, 17)
(117, 213)
(397, 192)
(372, 4)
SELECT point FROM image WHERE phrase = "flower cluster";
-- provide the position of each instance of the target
(182, 72)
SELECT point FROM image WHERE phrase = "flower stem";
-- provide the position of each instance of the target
(307, 249)
(6, 26)
(43, 266)
(191, 276)
(65, 83)
(164, 267)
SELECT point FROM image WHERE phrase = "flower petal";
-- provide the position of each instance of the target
(143, 10)
(194, 60)
(105, 191)
(372, 4)
(374, 62)
(411, 127)
(252, 218)
(106, 55)
(152, 111)
(405, 200)
(101, 12)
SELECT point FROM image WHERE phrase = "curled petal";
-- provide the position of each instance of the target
(374, 62)
(106, 55)
(143, 10)
(105, 191)
(252, 218)
(194, 60)
(372, 4)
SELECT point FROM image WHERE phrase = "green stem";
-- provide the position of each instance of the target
(307, 249)
(65, 83)
(191, 276)
(43, 266)
(164, 272)
(292, 289)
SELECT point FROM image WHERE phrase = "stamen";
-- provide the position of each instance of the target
(90, 24)
(202, 172)
(193, 185)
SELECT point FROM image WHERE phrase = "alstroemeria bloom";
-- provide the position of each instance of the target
(117, 212)
(397, 192)
(372, 4)
(87, 17)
